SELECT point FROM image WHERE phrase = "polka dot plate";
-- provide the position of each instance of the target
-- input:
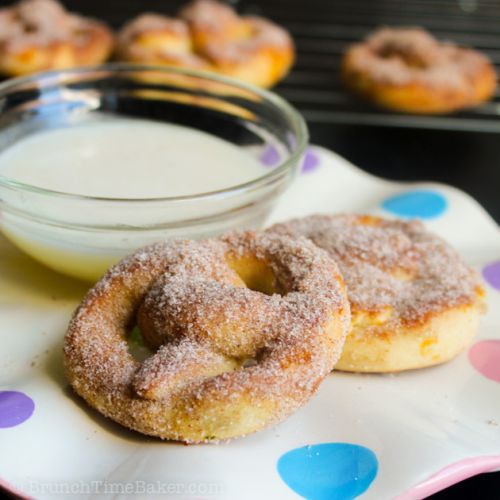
(398, 436)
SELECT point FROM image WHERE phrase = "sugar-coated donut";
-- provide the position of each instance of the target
(37, 35)
(209, 35)
(407, 69)
(244, 329)
(414, 302)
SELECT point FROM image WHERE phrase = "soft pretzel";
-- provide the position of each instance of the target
(244, 329)
(414, 302)
(407, 69)
(209, 35)
(38, 35)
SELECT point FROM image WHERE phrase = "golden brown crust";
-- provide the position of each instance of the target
(406, 69)
(229, 359)
(37, 35)
(209, 35)
(414, 302)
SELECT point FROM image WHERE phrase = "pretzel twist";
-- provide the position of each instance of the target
(209, 35)
(407, 69)
(244, 329)
(414, 301)
(37, 35)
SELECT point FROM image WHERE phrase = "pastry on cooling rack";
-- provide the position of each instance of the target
(243, 330)
(38, 35)
(209, 35)
(414, 302)
(407, 69)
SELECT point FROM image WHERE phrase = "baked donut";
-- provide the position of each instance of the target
(407, 69)
(414, 302)
(209, 35)
(244, 328)
(37, 35)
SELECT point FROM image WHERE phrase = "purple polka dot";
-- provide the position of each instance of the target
(491, 273)
(270, 156)
(15, 408)
(311, 161)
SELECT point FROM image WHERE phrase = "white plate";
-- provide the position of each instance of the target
(414, 433)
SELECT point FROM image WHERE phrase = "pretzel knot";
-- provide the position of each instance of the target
(414, 301)
(38, 35)
(210, 35)
(243, 329)
(407, 69)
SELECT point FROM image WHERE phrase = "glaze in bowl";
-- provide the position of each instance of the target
(82, 236)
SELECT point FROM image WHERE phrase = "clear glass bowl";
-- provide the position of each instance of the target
(82, 236)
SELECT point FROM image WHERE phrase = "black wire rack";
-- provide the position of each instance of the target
(323, 30)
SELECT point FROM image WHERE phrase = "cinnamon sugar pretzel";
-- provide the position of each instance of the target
(414, 302)
(208, 35)
(37, 35)
(407, 69)
(243, 330)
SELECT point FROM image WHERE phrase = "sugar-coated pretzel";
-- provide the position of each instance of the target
(209, 35)
(407, 69)
(38, 35)
(414, 301)
(244, 329)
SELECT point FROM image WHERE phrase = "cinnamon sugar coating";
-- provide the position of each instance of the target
(40, 34)
(390, 264)
(210, 35)
(414, 301)
(408, 69)
(227, 358)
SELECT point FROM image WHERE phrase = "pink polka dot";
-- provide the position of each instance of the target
(485, 358)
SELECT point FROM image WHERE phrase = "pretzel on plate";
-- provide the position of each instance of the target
(243, 329)
(414, 301)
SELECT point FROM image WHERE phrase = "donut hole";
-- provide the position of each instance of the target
(30, 29)
(137, 348)
(253, 360)
(249, 362)
(256, 274)
(409, 57)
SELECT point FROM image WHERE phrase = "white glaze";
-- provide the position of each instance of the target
(125, 158)
(121, 158)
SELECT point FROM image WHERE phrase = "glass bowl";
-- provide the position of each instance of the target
(82, 236)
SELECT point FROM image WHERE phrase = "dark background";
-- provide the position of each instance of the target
(461, 149)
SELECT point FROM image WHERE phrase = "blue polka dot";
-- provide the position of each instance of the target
(421, 204)
(329, 471)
